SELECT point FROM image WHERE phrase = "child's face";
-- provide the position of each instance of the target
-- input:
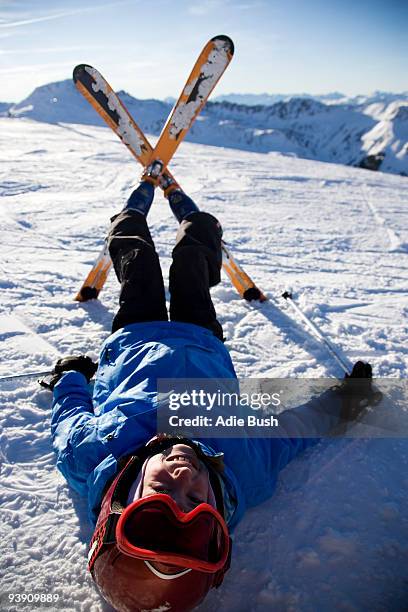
(179, 473)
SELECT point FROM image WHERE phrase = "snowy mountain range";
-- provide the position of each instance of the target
(334, 97)
(366, 131)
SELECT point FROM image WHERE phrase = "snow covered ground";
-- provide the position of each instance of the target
(335, 534)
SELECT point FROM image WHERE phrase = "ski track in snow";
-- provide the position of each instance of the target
(335, 534)
(395, 243)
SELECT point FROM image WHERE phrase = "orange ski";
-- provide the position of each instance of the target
(107, 104)
(97, 91)
(207, 71)
(96, 278)
(240, 279)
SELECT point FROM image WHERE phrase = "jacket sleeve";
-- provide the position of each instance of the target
(76, 431)
(298, 429)
(306, 424)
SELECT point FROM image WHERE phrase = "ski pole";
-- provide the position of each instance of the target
(27, 375)
(345, 367)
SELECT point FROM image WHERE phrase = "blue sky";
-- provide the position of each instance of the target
(148, 48)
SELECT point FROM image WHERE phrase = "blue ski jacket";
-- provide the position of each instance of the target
(92, 432)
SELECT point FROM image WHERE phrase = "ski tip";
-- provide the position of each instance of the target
(86, 294)
(252, 294)
(78, 71)
(227, 41)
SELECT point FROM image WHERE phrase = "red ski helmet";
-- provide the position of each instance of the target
(149, 554)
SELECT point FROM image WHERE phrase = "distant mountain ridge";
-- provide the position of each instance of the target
(335, 97)
(373, 134)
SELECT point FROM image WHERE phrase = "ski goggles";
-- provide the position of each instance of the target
(154, 528)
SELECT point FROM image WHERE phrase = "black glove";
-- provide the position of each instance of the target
(79, 363)
(357, 391)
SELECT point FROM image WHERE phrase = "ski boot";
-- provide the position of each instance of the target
(141, 198)
(181, 204)
(168, 184)
(153, 172)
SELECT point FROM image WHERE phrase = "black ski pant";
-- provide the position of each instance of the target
(196, 266)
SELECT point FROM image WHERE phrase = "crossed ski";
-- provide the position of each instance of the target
(208, 69)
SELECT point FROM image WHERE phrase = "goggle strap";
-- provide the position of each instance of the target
(109, 537)
(219, 576)
(104, 535)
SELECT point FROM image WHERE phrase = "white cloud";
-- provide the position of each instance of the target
(33, 50)
(32, 19)
(205, 7)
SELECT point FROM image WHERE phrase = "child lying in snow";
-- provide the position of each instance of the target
(164, 506)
